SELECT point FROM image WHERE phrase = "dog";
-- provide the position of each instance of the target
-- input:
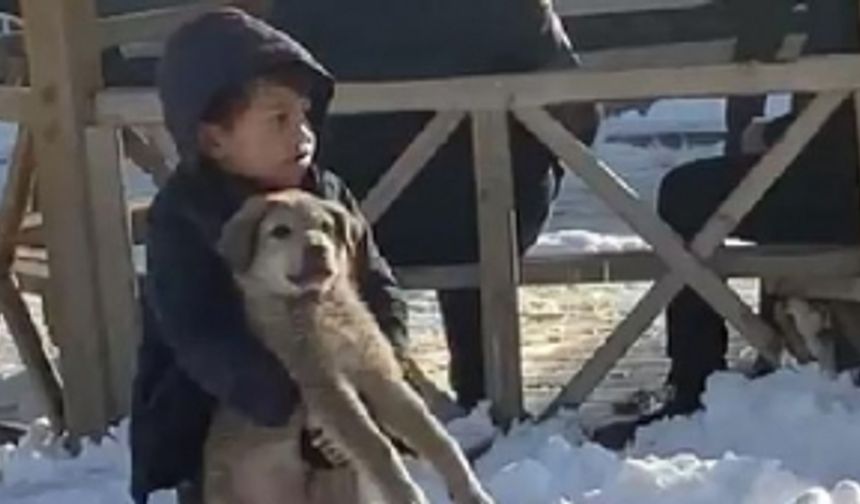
(293, 257)
(819, 331)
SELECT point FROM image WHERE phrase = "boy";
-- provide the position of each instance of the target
(244, 104)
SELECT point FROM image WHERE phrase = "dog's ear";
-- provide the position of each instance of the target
(239, 235)
(348, 227)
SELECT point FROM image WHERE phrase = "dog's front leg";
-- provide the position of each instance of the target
(341, 413)
(399, 408)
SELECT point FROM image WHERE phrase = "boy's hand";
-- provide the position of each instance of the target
(320, 451)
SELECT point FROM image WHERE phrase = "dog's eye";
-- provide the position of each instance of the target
(281, 232)
(327, 227)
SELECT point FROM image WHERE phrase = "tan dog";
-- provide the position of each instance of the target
(293, 256)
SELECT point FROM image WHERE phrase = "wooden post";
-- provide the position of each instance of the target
(116, 273)
(499, 268)
(65, 76)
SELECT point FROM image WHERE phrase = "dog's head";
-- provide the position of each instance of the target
(290, 242)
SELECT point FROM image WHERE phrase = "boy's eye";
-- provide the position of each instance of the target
(280, 232)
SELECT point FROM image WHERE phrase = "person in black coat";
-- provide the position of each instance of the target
(434, 221)
(816, 201)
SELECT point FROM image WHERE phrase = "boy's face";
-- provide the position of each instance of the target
(270, 142)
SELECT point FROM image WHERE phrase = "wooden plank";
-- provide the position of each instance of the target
(116, 275)
(16, 195)
(498, 268)
(64, 71)
(409, 164)
(592, 7)
(152, 24)
(642, 219)
(814, 74)
(32, 233)
(14, 103)
(680, 54)
(713, 21)
(761, 261)
(845, 289)
(768, 261)
(823, 73)
(625, 334)
(27, 340)
(146, 155)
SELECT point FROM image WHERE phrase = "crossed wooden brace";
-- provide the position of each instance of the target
(687, 265)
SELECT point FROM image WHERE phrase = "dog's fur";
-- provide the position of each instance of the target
(820, 331)
(293, 255)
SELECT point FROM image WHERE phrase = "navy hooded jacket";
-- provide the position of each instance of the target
(197, 349)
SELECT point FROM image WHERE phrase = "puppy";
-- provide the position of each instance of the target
(822, 331)
(293, 258)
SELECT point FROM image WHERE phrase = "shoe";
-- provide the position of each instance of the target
(617, 435)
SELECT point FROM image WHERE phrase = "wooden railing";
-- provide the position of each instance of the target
(75, 127)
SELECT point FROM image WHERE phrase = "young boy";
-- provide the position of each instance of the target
(244, 104)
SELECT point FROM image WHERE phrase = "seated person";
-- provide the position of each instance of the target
(817, 201)
(433, 222)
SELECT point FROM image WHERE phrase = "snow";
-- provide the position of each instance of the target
(790, 438)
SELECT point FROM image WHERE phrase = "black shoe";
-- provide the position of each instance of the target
(617, 435)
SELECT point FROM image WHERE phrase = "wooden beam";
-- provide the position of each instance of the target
(625, 334)
(16, 196)
(591, 7)
(750, 190)
(499, 265)
(824, 73)
(155, 24)
(409, 164)
(15, 104)
(642, 219)
(679, 54)
(64, 72)
(814, 74)
(146, 155)
(761, 261)
(116, 275)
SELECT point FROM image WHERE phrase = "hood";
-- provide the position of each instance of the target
(223, 50)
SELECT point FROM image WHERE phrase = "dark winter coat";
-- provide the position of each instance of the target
(397, 39)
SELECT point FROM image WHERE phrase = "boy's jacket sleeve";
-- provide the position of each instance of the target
(379, 289)
(201, 317)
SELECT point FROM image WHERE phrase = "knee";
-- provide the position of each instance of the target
(679, 200)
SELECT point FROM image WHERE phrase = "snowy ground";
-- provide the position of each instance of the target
(789, 438)
(793, 437)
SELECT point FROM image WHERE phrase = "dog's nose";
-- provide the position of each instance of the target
(315, 253)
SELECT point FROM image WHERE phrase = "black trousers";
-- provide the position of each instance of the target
(816, 201)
